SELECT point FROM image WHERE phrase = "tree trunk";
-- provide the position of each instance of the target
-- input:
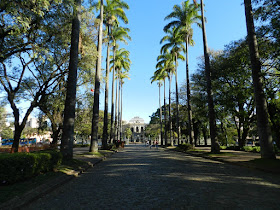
(119, 111)
(160, 115)
(121, 132)
(112, 132)
(70, 102)
(215, 148)
(55, 131)
(105, 124)
(264, 129)
(170, 120)
(177, 102)
(204, 132)
(165, 115)
(95, 117)
(16, 125)
(116, 107)
(190, 124)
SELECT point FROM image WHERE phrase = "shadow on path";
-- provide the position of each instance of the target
(142, 178)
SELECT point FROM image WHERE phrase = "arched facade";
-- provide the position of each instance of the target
(137, 127)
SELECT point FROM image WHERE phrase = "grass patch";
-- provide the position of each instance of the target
(228, 154)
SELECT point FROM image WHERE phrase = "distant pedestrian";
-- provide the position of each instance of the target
(151, 144)
(157, 144)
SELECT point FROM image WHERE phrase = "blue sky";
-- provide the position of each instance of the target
(225, 23)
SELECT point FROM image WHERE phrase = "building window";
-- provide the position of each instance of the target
(142, 129)
(132, 130)
(137, 129)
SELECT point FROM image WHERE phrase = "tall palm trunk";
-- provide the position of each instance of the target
(170, 120)
(70, 102)
(112, 132)
(215, 148)
(119, 111)
(160, 114)
(105, 126)
(95, 117)
(165, 115)
(264, 129)
(190, 124)
(116, 108)
(177, 101)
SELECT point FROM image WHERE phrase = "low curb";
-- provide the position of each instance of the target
(34, 194)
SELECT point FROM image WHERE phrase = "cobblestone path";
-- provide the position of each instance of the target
(143, 178)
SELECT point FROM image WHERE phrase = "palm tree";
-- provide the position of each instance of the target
(70, 102)
(112, 11)
(264, 129)
(161, 74)
(166, 60)
(215, 148)
(95, 118)
(120, 62)
(184, 16)
(157, 78)
(123, 75)
(117, 34)
(174, 40)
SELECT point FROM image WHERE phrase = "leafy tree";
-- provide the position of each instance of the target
(24, 23)
(128, 133)
(26, 42)
(5, 131)
(233, 88)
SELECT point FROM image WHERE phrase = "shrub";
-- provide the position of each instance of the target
(255, 149)
(223, 147)
(185, 147)
(21, 166)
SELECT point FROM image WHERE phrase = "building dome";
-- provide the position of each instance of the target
(136, 120)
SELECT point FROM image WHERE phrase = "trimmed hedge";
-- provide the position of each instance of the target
(21, 166)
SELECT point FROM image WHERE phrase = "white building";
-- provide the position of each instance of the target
(32, 122)
(137, 126)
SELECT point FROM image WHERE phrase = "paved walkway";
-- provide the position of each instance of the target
(142, 178)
